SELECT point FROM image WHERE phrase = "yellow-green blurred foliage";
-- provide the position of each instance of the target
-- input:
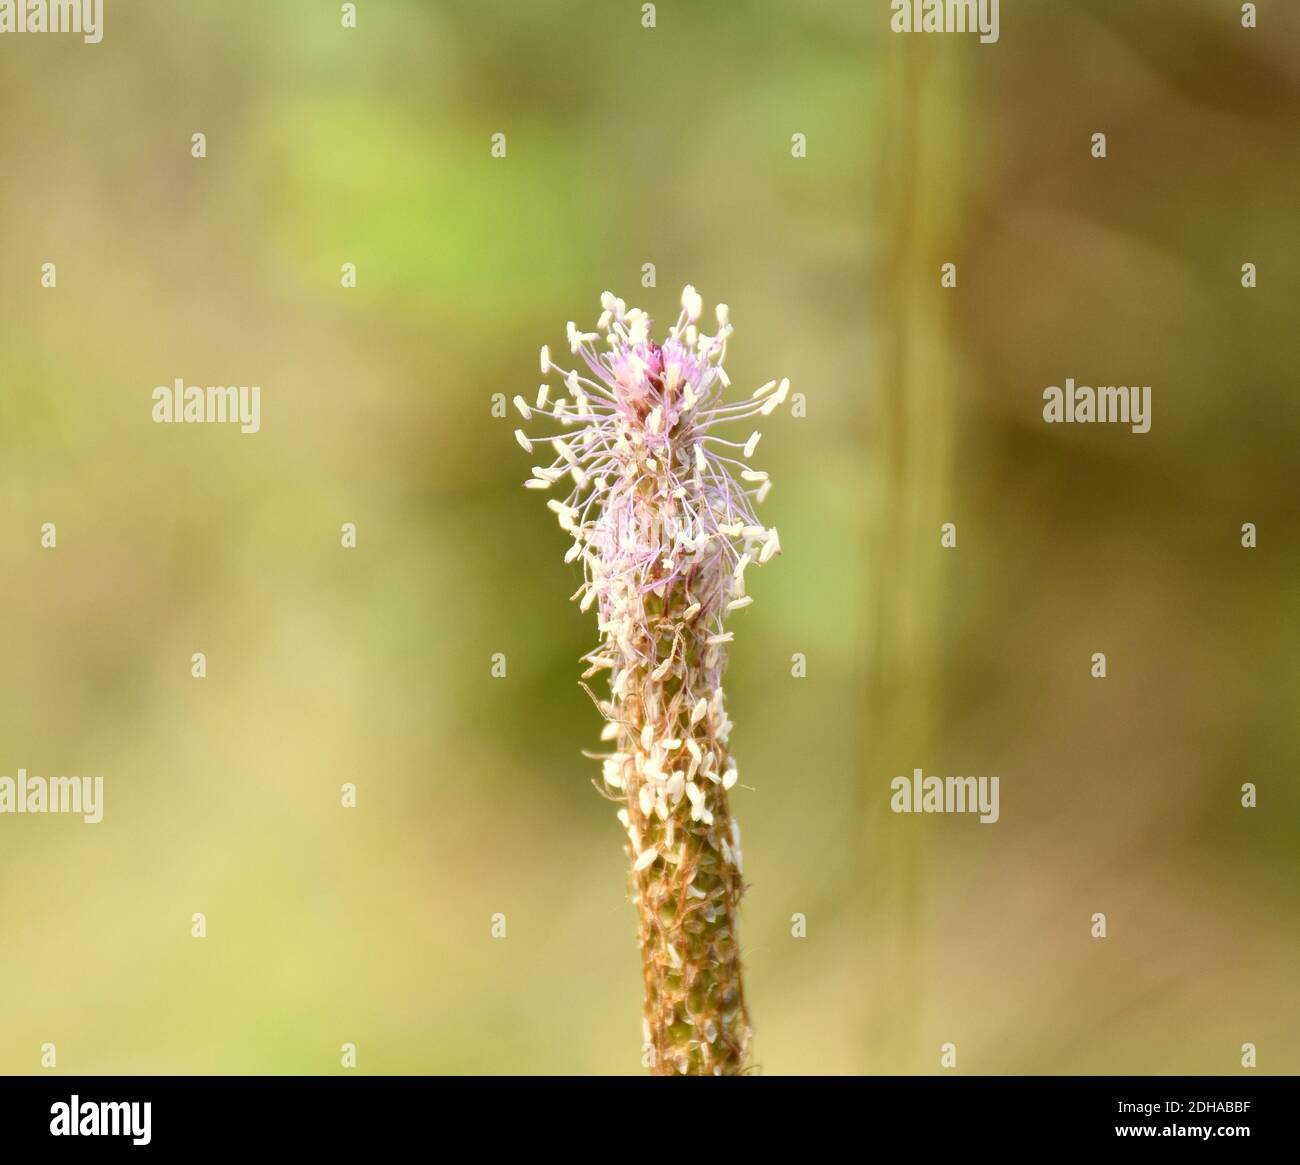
(629, 146)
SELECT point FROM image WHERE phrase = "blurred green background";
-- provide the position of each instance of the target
(628, 146)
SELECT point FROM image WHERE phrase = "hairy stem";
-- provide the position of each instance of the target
(687, 897)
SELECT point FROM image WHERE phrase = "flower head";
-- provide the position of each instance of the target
(658, 494)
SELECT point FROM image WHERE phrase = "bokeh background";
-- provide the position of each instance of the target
(628, 146)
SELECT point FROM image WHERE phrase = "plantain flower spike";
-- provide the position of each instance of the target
(660, 510)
